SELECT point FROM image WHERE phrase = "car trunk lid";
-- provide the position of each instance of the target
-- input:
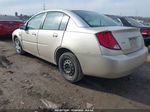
(129, 39)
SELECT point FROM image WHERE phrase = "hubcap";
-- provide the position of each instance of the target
(68, 67)
(18, 47)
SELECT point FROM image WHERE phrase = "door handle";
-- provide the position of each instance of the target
(55, 35)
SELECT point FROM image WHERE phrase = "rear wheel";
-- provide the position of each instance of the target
(69, 67)
(18, 46)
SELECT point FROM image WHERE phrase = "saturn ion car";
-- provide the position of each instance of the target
(82, 43)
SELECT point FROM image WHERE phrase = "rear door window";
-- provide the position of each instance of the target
(53, 21)
(64, 22)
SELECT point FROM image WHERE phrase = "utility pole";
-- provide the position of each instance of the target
(44, 5)
(120, 14)
(136, 12)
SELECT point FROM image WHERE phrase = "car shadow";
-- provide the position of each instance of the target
(135, 87)
(6, 38)
(40, 60)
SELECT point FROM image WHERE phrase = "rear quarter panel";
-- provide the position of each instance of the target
(83, 45)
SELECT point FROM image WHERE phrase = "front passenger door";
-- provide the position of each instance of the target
(29, 36)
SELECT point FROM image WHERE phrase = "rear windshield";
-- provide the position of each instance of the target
(94, 19)
(133, 22)
(9, 18)
(116, 19)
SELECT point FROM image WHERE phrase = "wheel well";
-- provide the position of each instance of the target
(60, 52)
(15, 38)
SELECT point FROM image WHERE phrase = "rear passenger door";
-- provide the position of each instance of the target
(51, 34)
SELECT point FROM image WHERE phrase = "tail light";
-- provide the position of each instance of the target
(107, 40)
(145, 32)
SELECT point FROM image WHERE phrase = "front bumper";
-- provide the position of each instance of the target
(113, 66)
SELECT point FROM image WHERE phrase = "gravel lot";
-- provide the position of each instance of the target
(26, 82)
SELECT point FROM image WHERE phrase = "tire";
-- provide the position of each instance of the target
(69, 67)
(146, 44)
(18, 47)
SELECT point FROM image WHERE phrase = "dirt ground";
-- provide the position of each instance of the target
(26, 81)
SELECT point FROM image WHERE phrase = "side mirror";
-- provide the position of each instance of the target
(23, 27)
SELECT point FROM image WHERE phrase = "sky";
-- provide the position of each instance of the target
(115, 7)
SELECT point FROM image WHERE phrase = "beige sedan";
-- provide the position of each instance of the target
(82, 42)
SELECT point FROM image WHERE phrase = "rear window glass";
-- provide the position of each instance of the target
(117, 20)
(134, 22)
(9, 18)
(94, 19)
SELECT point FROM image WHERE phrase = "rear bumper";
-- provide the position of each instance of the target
(113, 66)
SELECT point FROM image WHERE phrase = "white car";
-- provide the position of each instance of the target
(82, 42)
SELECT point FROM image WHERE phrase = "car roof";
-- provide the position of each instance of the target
(79, 22)
(8, 18)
